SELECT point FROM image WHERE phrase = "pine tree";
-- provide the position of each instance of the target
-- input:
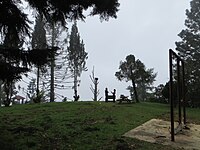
(39, 42)
(77, 57)
(189, 49)
(10, 66)
(56, 74)
(31, 89)
(135, 71)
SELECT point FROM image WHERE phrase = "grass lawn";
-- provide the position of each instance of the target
(79, 125)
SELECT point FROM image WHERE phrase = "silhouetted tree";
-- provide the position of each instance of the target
(188, 48)
(13, 16)
(94, 87)
(31, 89)
(11, 74)
(134, 70)
(76, 57)
(165, 92)
(39, 42)
(158, 94)
(57, 71)
(14, 22)
(11, 69)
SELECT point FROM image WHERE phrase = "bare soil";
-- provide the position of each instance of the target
(158, 131)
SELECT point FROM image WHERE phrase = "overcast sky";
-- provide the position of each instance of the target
(144, 28)
(147, 29)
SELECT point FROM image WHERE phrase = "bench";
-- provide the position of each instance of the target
(110, 98)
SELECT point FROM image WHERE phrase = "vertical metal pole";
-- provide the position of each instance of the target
(183, 92)
(171, 95)
(179, 91)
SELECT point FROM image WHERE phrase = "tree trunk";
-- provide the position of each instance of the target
(52, 65)
(134, 86)
(7, 102)
(0, 93)
(76, 97)
(38, 77)
(135, 91)
(95, 89)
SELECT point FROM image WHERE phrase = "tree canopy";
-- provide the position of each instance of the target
(135, 71)
(15, 27)
(77, 57)
(189, 48)
(14, 19)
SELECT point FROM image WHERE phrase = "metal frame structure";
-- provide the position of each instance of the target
(180, 91)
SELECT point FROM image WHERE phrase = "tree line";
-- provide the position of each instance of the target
(15, 61)
(15, 27)
(67, 61)
(188, 48)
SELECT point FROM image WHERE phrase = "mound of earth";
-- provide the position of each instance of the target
(158, 131)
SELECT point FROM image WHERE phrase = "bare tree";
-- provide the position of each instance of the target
(94, 87)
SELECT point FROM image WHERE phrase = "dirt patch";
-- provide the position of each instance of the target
(158, 131)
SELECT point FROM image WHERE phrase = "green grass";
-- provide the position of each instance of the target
(79, 126)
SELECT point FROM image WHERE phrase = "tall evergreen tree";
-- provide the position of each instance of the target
(77, 57)
(189, 49)
(11, 69)
(56, 74)
(135, 71)
(39, 42)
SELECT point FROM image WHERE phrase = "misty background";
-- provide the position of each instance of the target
(146, 29)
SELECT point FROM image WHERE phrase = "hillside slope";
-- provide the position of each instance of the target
(80, 125)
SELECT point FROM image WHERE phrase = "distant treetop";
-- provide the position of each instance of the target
(13, 17)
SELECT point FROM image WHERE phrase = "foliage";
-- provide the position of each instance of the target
(39, 42)
(39, 35)
(81, 125)
(13, 16)
(11, 73)
(77, 57)
(32, 95)
(57, 70)
(40, 97)
(10, 68)
(64, 99)
(14, 25)
(31, 89)
(161, 94)
(188, 48)
(16, 62)
(135, 71)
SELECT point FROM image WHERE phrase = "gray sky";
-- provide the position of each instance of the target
(144, 28)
